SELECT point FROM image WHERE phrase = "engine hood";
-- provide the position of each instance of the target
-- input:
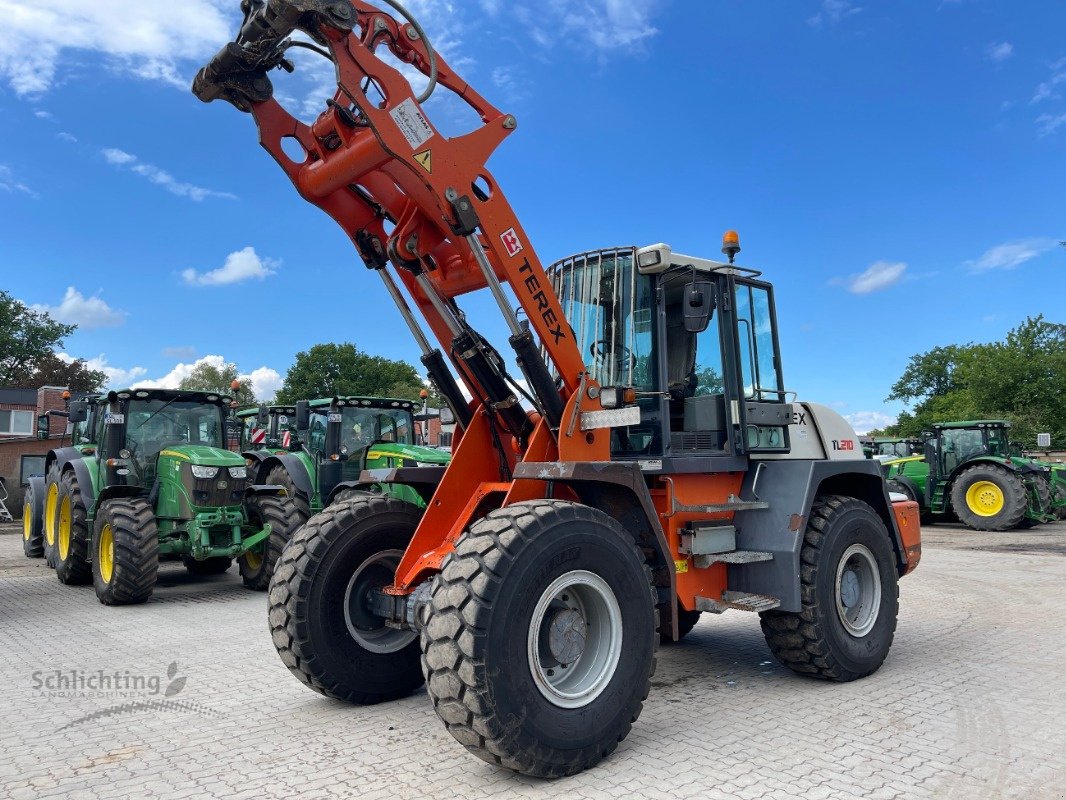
(408, 452)
(202, 455)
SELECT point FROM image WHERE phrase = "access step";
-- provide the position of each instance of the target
(741, 601)
(735, 557)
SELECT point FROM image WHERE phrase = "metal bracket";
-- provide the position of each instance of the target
(611, 418)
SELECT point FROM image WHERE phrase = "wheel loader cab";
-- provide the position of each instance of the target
(697, 341)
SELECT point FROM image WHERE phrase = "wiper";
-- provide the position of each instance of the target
(154, 413)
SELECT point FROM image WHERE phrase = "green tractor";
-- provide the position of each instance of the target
(147, 476)
(323, 451)
(895, 448)
(968, 470)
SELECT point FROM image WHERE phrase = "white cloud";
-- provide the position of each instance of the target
(180, 353)
(1049, 123)
(607, 24)
(832, 12)
(9, 184)
(123, 160)
(151, 39)
(69, 138)
(879, 275)
(85, 312)
(42, 115)
(244, 265)
(116, 378)
(865, 421)
(265, 380)
(1011, 255)
(999, 51)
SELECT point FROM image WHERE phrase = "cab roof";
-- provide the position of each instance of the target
(367, 402)
(980, 423)
(207, 398)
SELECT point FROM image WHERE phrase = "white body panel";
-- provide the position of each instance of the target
(818, 433)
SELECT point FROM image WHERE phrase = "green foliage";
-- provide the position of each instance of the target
(334, 370)
(1021, 379)
(27, 338)
(209, 378)
(51, 370)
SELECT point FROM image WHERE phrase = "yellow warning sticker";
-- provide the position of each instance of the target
(681, 566)
(425, 158)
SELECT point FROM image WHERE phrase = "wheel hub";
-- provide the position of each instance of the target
(575, 639)
(858, 590)
(366, 627)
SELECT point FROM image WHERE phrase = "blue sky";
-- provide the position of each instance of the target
(895, 168)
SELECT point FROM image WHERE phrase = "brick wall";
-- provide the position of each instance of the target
(11, 452)
(50, 398)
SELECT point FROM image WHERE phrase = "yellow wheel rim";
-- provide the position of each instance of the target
(105, 553)
(253, 560)
(27, 522)
(51, 501)
(64, 528)
(985, 499)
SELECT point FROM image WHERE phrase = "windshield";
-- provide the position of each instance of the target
(362, 426)
(153, 425)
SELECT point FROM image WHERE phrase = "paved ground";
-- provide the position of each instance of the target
(971, 703)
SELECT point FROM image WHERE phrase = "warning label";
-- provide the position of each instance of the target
(425, 158)
(410, 119)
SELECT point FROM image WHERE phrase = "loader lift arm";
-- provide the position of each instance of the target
(427, 207)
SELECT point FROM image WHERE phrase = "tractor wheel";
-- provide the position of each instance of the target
(849, 593)
(208, 566)
(72, 534)
(51, 514)
(1059, 496)
(538, 643)
(1042, 491)
(33, 524)
(686, 621)
(279, 476)
(344, 495)
(125, 551)
(257, 565)
(989, 498)
(319, 621)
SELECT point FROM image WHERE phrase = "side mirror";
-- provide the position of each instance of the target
(262, 417)
(698, 306)
(447, 416)
(79, 411)
(43, 426)
(303, 416)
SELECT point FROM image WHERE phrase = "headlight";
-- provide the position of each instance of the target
(240, 473)
(204, 472)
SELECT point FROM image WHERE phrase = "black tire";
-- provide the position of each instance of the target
(257, 565)
(33, 523)
(279, 476)
(72, 534)
(50, 514)
(308, 617)
(209, 566)
(816, 641)
(1012, 487)
(1041, 490)
(1059, 496)
(686, 621)
(126, 528)
(346, 495)
(478, 631)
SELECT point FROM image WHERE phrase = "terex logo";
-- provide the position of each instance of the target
(799, 417)
(511, 243)
(532, 284)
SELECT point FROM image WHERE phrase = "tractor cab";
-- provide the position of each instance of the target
(951, 444)
(883, 447)
(692, 343)
(268, 428)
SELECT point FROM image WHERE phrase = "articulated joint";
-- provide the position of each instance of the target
(371, 251)
(466, 218)
(402, 612)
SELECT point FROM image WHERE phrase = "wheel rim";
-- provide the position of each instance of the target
(64, 528)
(105, 553)
(27, 521)
(253, 559)
(575, 639)
(368, 629)
(985, 499)
(858, 590)
(51, 501)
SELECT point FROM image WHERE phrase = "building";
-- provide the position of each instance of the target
(21, 452)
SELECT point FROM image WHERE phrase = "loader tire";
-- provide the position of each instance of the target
(72, 534)
(538, 643)
(686, 621)
(33, 524)
(215, 565)
(344, 495)
(989, 498)
(50, 514)
(257, 565)
(125, 551)
(319, 621)
(279, 476)
(849, 593)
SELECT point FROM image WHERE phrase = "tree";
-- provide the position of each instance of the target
(336, 370)
(206, 377)
(27, 338)
(75, 375)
